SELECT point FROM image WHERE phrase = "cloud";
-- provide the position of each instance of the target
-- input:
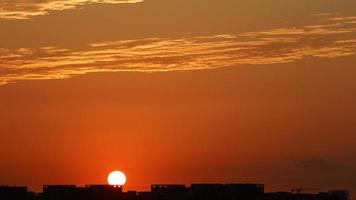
(24, 9)
(283, 45)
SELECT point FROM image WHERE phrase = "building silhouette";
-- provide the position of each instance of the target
(165, 192)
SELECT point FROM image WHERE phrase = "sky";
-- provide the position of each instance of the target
(178, 91)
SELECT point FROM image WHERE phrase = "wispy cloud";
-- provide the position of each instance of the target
(24, 9)
(284, 45)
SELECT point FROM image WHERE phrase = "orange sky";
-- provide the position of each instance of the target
(178, 92)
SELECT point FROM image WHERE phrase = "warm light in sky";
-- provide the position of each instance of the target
(172, 91)
(116, 178)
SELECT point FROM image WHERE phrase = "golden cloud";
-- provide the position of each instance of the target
(24, 9)
(275, 46)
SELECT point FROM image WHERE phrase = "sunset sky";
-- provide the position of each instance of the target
(178, 91)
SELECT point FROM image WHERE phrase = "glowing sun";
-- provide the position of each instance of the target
(117, 178)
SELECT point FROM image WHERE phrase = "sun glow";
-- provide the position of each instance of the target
(117, 178)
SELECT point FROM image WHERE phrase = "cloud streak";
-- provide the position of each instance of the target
(25, 9)
(327, 40)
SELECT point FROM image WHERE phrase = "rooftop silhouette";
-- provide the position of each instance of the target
(166, 192)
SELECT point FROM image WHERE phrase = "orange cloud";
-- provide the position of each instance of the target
(282, 45)
(19, 9)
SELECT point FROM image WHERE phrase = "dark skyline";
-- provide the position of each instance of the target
(205, 191)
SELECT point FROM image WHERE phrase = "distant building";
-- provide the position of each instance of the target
(339, 195)
(227, 191)
(103, 192)
(169, 188)
(169, 192)
(15, 193)
(89, 192)
(59, 192)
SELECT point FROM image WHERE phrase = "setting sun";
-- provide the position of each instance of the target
(116, 178)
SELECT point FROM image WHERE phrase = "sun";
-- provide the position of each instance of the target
(117, 178)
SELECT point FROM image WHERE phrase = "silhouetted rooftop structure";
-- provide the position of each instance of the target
(168, 188)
